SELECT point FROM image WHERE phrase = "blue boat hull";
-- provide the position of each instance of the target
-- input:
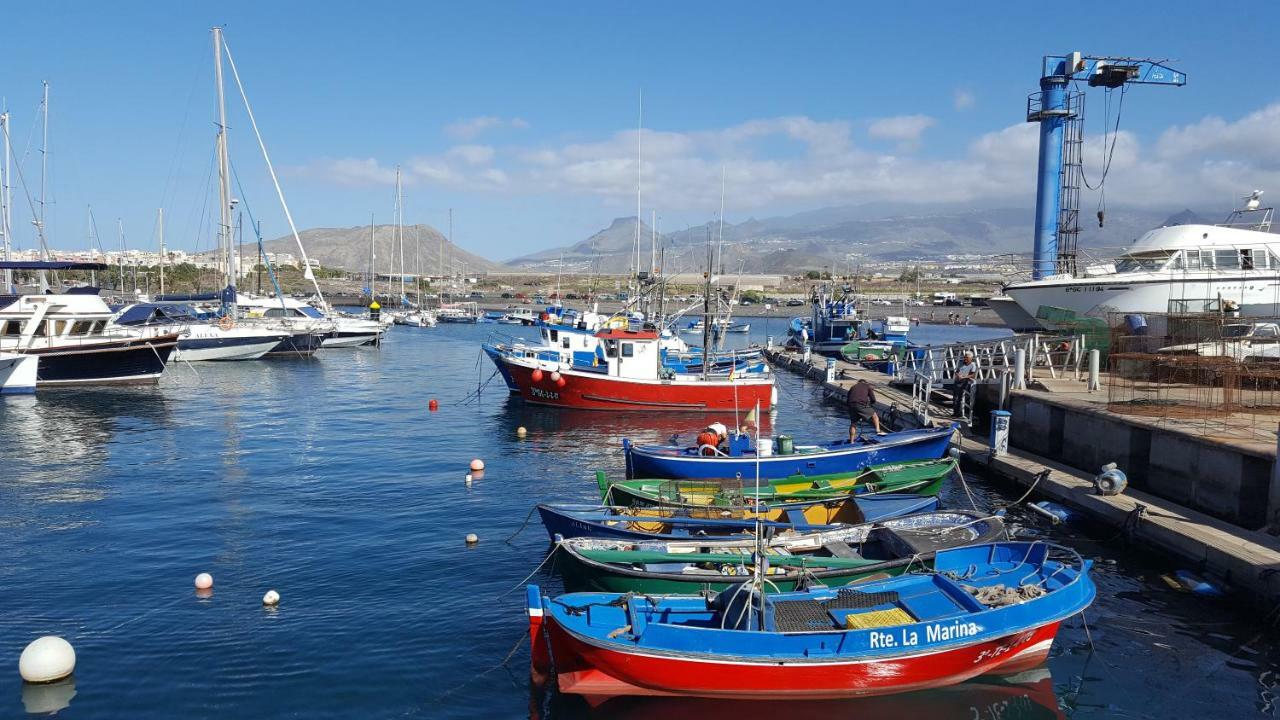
(594, 521)
(660, 462)
(495, 355)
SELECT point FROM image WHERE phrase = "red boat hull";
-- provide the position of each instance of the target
(583, 668)
(589, 391)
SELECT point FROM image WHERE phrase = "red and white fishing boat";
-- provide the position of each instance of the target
(629, 375)
(984, 609)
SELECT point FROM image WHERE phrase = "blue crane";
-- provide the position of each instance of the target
(1059, 110)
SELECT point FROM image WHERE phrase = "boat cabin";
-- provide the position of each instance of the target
(52, 319)
(631, 353)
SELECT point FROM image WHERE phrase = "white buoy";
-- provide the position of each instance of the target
(271, 599)
(47, 659)
(467, 479)
(521, 431)
(472, 538)
(204, 581)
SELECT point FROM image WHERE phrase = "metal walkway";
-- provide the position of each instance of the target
(933, 368)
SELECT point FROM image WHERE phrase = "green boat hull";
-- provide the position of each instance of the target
(921, 477)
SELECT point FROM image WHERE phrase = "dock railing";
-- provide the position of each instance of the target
(934, 367)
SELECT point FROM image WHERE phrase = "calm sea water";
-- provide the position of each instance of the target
(329, 481)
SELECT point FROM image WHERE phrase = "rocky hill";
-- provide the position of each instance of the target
(348, 248)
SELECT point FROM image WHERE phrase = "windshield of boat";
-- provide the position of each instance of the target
(1146, 262)
(311, 312)
(1235, 331)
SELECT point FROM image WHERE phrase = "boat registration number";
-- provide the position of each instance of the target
(544, 394)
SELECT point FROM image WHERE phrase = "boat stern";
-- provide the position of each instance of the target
(539, 657)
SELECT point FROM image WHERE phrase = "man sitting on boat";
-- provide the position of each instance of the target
(861, 401)
(710, 439)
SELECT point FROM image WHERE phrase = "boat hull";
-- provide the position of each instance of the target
(113, 362)
(583, 521)
(223, 348)
(590, 391)
(349, 339)
(644, 462)
(303, 344)
(587, 668)
(17, 374)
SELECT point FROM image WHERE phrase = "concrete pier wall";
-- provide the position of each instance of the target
(1217, 478)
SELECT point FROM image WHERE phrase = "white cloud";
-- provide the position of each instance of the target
(963, 99)
(470, 128)
(796, 162)
(905, 129)
(349, 172)
(472, 154)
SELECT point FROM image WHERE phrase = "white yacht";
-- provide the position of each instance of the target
(198, 340)
(1233, 267)
(68, 334)
(339, 331)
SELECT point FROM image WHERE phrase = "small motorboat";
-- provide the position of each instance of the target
(919, 477)
(740, 460)
(792, 561)
(983, 609)
(648, 523)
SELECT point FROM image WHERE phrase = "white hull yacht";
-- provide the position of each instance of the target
(69, 336)
(1229, 268)
(198, 340)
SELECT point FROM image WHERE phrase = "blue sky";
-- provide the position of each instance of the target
(521, 116)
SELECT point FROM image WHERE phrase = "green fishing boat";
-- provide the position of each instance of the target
(919, 477)
(793, 561)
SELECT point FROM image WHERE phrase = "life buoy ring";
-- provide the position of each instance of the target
(226, 323)
(870, 356)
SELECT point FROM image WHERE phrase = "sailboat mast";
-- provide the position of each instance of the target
(44, 174)
(373, 260)
(635, 245)
(706, 310)
(224, 179)
(721, 238)
(5, 199)
(160, 225)
(400, 229)
(44, 166)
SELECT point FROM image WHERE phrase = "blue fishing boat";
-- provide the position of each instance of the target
(742, 460)
(646, 524)
(982, 609)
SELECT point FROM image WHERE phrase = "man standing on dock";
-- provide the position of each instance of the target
(966, 373)
(862, 406)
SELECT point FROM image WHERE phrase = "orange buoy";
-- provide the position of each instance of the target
(536, 375)
(434, 405)
(561, 382)
(555, 376)
(477, 465)
(204, 581)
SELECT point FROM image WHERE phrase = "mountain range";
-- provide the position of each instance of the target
(834, 237)
(839, 236)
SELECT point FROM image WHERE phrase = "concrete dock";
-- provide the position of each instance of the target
(1204, 501)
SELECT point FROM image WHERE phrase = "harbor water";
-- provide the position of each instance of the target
(330, 481)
